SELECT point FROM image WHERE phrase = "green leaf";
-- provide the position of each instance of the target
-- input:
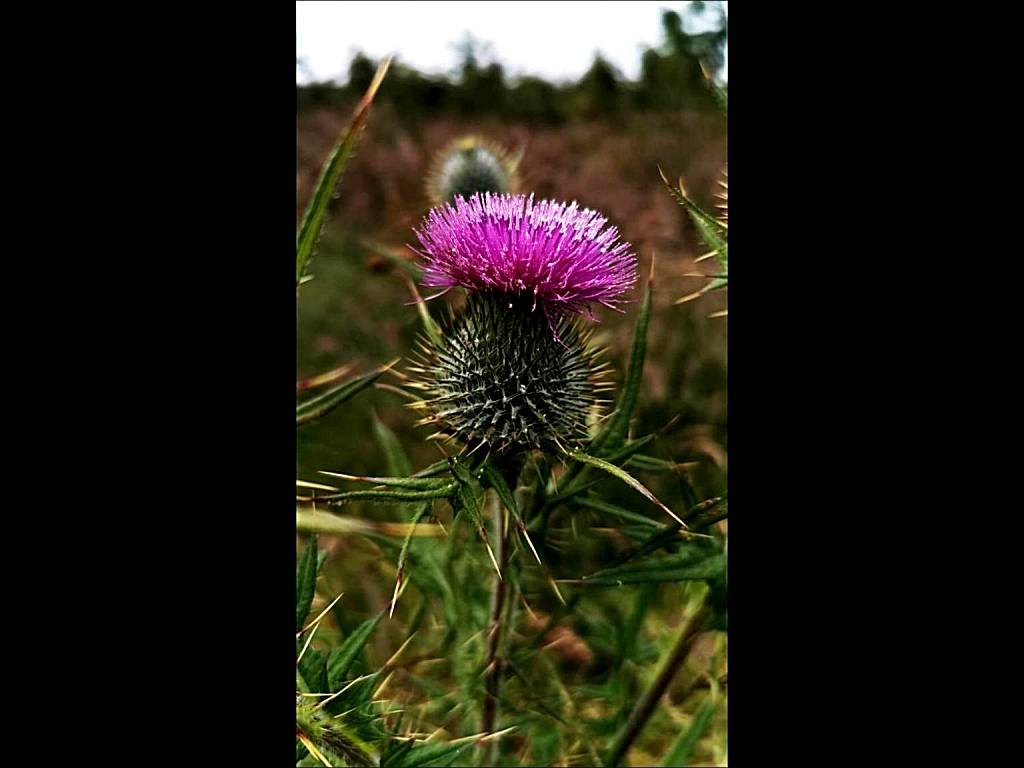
(695, 561)
(712, 237)
(394, 756)
(341, 658)
(460, 471)
(316, 211)
(397, 461)
(497, 482)
(647, 463)
(440, 492)
(625, 477)
(626, 452)
(592, 502)
(439, 753)
(628, 638)
(437, 468)
(717, 225)
(313, 667)
(410, 483)
(311, 410)
(404, 552)
(717, 284)
(712, 231)
(613, 434)
(708, 512)
(316, 521)
(300, 682)
(651, 543)
(574, 482)
(305, 582)
(467, 499)
(687, 741)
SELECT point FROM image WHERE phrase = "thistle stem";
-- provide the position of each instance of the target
(649, 701)
(493, 668)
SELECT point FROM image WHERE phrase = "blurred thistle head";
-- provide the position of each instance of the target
(562, 257)
(514, 370)
(470, 165)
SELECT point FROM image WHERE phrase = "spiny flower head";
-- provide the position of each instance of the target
(499, 379)
(564, 258)
(470, 165)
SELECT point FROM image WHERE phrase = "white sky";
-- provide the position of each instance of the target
(554, 40)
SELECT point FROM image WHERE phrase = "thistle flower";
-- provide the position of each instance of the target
(503, 374)
(563, 257)
(470, 165)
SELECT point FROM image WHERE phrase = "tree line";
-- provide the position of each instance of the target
(672, 76)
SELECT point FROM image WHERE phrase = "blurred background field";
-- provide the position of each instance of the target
(598, 140)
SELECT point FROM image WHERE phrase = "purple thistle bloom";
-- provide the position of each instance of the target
(508, 244)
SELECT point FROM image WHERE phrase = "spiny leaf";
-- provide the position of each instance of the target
(627, 478)
(654, 464)
(708, 512)
(312, 410)
(396, 751)
(467, 499)
(419, 515)
(695, 560)
(316, 211)
(300, 682)
(314, 751)
(718, 226)
(687, 741)
(460, 471)
(714, 285)
(439, 492)
(497, 482)
(469, 502)
(324, 378)
(340, 659)
(424, 755)
(668, 534)
(713, 231)
(397, 461)
(627, 451)
(312, 665)
(613, 433)
(591, 502)
(412, 483)
(314, 521)
(437, 468)
(305, 582)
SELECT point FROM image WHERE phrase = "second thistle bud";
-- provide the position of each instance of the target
(470, 165)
